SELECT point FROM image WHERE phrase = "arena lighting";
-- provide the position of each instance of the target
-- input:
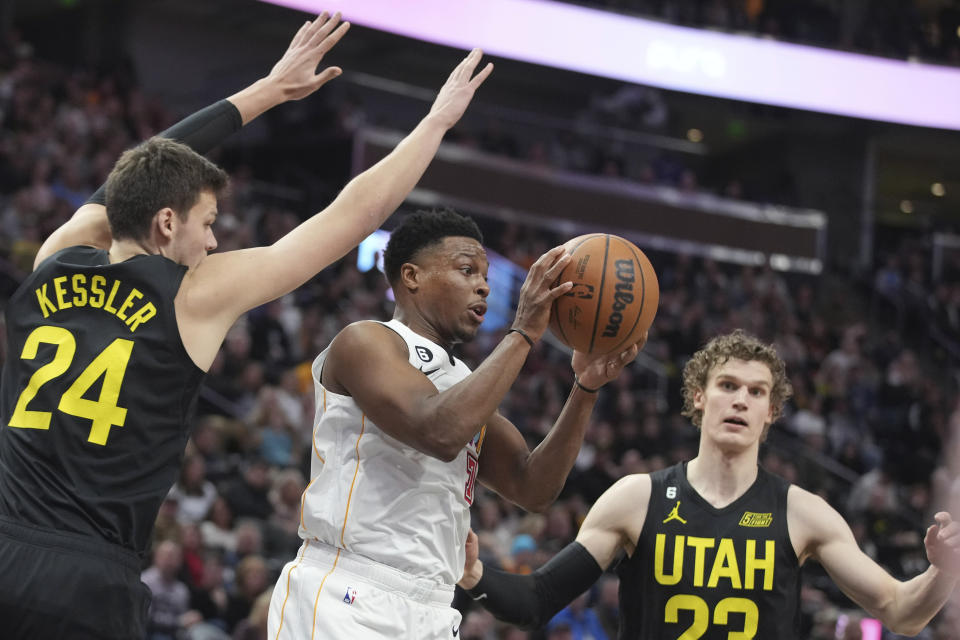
(679, 58)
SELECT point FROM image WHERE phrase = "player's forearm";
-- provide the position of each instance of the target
(548, 465)
(359, 210)
(257, 99)
(325, 237)
(917, 601)
(531, 600)
(372, 196)
(201, 131)
(451, 418)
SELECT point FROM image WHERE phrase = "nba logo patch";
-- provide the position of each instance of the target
(350, 595)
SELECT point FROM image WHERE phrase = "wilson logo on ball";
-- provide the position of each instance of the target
(622, 297)
(614, 296)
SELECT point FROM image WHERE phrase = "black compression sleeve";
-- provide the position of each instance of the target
(530, 601)
(207, 128)
(201, 131)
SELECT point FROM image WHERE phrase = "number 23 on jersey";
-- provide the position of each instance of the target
(721, 616)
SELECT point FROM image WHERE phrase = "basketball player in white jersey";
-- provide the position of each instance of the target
(403, 432)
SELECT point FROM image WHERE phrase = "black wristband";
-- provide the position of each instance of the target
(576, 381)
(525, 336)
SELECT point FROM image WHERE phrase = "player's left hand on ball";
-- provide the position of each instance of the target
(943, 544)
(595, 371)
(296, 72)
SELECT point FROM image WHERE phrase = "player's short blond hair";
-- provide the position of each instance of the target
(737, 345)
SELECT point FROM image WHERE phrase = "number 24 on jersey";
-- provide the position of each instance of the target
(111, 364)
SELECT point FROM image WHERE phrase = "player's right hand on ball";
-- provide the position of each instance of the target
(538, 292)
(457, 92)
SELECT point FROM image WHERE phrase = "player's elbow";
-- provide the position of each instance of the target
(537, 504)
(909, 629)
(435, 447)
(536, 498)
(442, 446)
(899, 624)
(449, 435)
(446, 453)
(903, 627)
(529, 490)
(536, 507)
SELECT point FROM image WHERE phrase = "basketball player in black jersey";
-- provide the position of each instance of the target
(714, 545)
(109, 339)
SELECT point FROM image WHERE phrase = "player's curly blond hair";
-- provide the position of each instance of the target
(738, 345)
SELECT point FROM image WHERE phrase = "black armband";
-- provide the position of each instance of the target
(531, 601)
(205, 129)
(201, 131)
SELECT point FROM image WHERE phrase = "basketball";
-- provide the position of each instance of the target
(614, 297)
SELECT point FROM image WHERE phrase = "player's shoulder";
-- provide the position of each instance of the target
(368, 337)
(803, 502)
(622, 507)
(631, 489)
(78, 255)
(364, 329)
(810, 516)
(635, 482)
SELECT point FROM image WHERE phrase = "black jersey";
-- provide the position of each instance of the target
(96, 394)
(711, 574)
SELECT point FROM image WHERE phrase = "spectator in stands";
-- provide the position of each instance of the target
(171, 598)
(208, 596)
(192, 491)
(581, 622)
(249, 495)
(252, 580)
(217, 529)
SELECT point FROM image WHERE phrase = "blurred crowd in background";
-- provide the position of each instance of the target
(873, 358)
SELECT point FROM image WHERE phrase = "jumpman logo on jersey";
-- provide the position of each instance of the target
(675, 514)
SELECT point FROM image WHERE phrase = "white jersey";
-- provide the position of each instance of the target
(377, 497)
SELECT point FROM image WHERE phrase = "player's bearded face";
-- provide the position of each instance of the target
(458, 288)
(736, 402)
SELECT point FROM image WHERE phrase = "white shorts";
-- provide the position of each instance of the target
(328, 593)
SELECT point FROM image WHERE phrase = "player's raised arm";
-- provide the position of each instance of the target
(613, 525)
(534, 479)
(904, 607)
(293, 77)
(231, 283)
